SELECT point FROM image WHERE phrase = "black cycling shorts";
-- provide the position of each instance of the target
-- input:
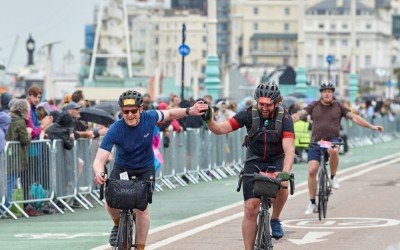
(141, 174)
(256, 167)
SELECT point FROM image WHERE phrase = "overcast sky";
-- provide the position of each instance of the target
(48, 21)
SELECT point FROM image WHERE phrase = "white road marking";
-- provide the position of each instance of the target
(341, 223)
(194, 231)
(174, 238)
(310, 237)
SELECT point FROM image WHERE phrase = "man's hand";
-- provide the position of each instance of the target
(100, 178)
(208, 115)
(377, 128)
(284, 176)
(198, 108)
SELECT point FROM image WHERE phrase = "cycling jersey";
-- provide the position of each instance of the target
(134, 145)
(265, 148)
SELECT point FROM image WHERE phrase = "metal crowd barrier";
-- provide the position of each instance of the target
(57, 174)
(359, 136)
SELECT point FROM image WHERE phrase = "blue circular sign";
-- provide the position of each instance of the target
(329, 59)
(184, 50)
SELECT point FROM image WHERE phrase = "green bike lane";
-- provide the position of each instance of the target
(87, 229)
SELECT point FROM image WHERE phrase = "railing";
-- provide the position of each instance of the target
(58, 176)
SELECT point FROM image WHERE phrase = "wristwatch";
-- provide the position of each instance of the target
(187, 110)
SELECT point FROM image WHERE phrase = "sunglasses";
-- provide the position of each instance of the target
(127, 111)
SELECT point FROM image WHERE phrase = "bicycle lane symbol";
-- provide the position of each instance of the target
(334, 223)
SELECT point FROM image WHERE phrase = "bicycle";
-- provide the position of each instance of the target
(126, 227)
(324, 184)
(267, 187)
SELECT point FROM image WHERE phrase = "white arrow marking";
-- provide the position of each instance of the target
(310, 237)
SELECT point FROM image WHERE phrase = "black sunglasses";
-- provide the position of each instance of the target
(127, 111)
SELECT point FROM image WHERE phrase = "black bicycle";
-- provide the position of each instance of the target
(267, 187)
(128, 205)
(324, 183)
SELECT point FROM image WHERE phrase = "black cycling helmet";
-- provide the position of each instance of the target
(130, 98)
(269, 90)
(327, 85)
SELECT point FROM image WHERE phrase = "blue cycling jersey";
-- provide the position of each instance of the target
(133, 144)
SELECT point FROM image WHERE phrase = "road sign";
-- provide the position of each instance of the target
(329, 59)
(184, 50)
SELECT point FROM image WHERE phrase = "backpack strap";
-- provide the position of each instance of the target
(255, 121)
(278, 120)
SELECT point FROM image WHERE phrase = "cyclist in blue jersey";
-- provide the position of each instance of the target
(132, 137)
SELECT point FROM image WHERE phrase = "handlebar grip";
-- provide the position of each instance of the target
(240, 181)
(102, 188)
(292, 187)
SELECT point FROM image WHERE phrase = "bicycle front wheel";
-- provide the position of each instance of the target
(263, 237)
(322, 195)
(124, 238)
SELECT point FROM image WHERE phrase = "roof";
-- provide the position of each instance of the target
(280, 36)
(332, 6)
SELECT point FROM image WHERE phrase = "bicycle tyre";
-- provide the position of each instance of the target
(260, 232)
(267, 232)
(121, 231)
(321, 195)
(326, 195)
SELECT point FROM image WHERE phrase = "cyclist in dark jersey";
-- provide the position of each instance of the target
(132, 137)
(269, 146)
(326, 115)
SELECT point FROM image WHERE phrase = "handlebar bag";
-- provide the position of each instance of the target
(128, 194)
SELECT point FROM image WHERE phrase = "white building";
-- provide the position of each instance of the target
(328, 32)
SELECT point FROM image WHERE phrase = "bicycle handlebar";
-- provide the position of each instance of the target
(334, 144)
(242, 174)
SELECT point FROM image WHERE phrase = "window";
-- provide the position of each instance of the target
(286, 45)
(255, 11)
(357, 42)
(204, 39)
(321, 26)
(320, 42)
(255, 45)
(345, 26)
(309, 61)
(287, 11)
(367, 61)
(368, 26)
(344, 42)
(332, 42)
(333, 26)
(344, 62)
(255, 26)
(204, 52)
(285, 61)
(286, 27)
(321, 61)
(156, 40)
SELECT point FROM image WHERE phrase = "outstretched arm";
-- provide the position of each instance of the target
(363, 123)
(219, 128)
(197, 109)
(299, 115)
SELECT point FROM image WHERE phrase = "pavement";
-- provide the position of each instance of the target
(208, 215)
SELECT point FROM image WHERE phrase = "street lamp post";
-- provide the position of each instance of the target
(329, 60)
(184, 50)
